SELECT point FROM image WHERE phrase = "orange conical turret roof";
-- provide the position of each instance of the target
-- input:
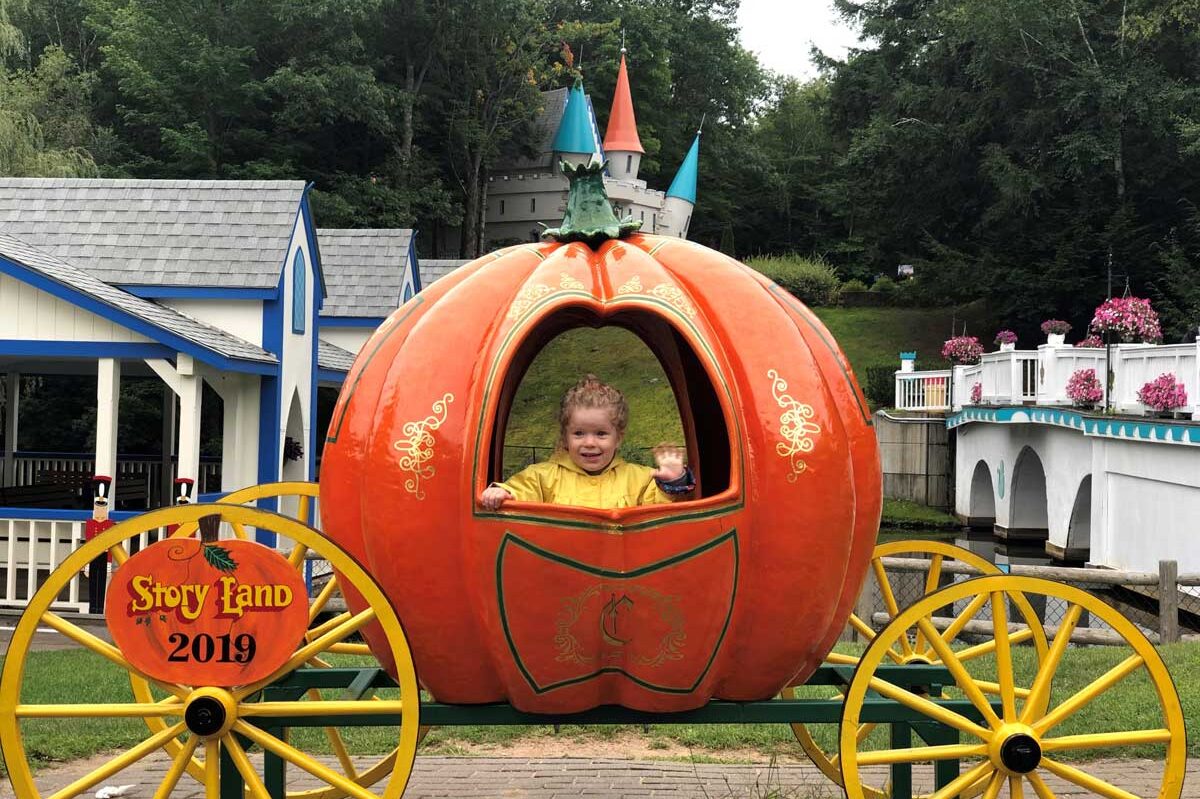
(622, 135)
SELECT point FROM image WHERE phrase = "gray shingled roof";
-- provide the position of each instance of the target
(211, 233)
(330, 356)
(166, 319)
(364, 270)
(545, 126)
(434, 268)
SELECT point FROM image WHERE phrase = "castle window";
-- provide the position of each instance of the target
(299, 273)
(532, 204)
(643, 213)
(629, 163)
(653, 223)
(502, 207)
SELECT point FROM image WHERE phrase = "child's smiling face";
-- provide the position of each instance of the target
(591, 439)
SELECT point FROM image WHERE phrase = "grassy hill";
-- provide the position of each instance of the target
(869, 337)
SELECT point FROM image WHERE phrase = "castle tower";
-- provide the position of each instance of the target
(681, 197)
(622, 146)
(575, 141)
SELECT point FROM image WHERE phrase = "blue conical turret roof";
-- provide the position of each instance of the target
(684, 184)
(575, 132)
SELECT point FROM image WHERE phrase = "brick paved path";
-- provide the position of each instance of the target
(574, 778)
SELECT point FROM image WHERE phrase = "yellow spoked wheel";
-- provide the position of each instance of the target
(915, 647)
(296, 500)
(164, 706)
(1021, 741)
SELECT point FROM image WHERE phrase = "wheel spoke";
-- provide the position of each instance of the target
(297, 555)
(1015, 788)
(1088, 693)
(961, 676)
(889, 600)
(1106, 739)
(863, 629)
(240, 531)
(994, 784)
(932, 577)
(336, 743)
(987, 647)
(920, 754)
(994, 688)
(119, 554)
(1085, 780)
(838, 659)
(123, 710)
(307, 651)
(1039, 785)
(1040, 691)
(249, 775)
(326, 626)
(178, 765)
(927, 708)
(956, 626)
(1004, 667)
(962, 781)
(212, 769)
(102, 648)
(298, 758)
(331, 707)
(350, 649)
(119, 763)
(322, 599)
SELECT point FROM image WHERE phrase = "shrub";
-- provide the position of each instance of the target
(884, 285)
(1006, 337)
(1163, 393)
(880, 386)
(814, 282)
(1083, 388)
(1055, 327)
(962, 350)
(854, 284)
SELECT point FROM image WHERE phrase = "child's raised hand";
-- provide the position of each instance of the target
(493, 497)
(670, 462)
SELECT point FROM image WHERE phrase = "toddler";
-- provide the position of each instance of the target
(585, 469)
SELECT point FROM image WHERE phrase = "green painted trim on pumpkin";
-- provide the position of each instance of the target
(610, 527)
(657, 247)
(625, 300)
(541, 255)
(509, 538)
(589, 217)
(332, 438)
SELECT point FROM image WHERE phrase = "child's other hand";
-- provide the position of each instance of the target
(493, 497)
(670, 462)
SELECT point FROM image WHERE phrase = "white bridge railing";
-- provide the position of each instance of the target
(1017, 377)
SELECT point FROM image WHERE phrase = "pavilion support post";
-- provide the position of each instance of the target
(108, 396)
(166, 480)
(190, 393)
(12, 405)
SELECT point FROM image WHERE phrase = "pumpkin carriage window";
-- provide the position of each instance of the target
(670, 396)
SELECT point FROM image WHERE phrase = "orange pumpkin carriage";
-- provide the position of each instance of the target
(704, 609)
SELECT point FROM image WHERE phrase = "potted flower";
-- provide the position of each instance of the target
(962, 350)
(1163, 394)
(1091, 342)
(1084, 389)
(976, 393)
(1128, 320)
(1055, 331)
(1006, 339)
(293, 450)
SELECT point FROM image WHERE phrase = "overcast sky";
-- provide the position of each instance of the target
(782, 32)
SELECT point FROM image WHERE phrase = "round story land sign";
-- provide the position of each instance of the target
(219, 613)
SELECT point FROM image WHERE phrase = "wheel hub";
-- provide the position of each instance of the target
(1020, 753)
(210, 712)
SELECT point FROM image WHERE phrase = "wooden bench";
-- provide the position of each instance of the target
(132, 491)
(43, 495)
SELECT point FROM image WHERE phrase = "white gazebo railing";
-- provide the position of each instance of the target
(1017, 377)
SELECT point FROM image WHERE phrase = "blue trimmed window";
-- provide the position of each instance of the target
(408, 292)
(299, 275)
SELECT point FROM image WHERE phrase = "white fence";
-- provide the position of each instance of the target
(1040, 376)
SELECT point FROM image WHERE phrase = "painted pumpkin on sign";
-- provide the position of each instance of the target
(731, 594)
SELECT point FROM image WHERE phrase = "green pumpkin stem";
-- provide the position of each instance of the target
(589, 217)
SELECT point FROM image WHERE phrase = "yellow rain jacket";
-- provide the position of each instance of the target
(559, 481)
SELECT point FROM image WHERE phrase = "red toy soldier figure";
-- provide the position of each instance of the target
(183, 496)
(98, 568)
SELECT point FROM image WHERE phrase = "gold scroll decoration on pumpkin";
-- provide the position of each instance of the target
(526, 297)
(417, 449)
(675, 297)
(569, 282)
(795, 426)
(631, 286)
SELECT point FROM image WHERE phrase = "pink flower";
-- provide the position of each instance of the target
(1055, 327)
(1163, 393)
(1006, 337)
(976, 393)
(1130, 319)
(1084, 389)
(962, 350)
(1093, 342)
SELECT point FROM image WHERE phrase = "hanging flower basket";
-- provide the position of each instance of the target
(1129, 320)
(293, 450)
(1084, 389)
(962, 350)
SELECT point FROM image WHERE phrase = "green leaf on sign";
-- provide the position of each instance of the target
(219, 558)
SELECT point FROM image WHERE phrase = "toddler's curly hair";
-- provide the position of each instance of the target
(592, 392)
